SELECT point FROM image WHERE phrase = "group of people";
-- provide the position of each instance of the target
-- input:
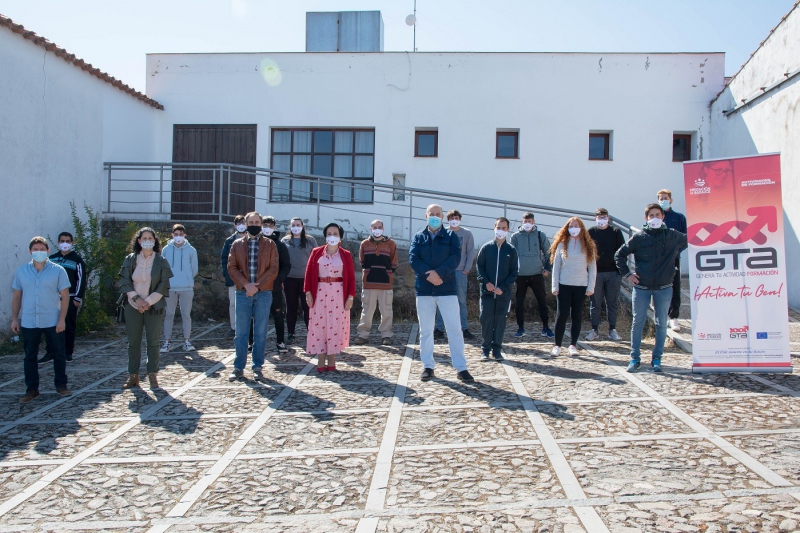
(284, 277)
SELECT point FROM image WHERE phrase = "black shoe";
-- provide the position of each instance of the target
(282, 348)
(235, 375)
(231, 333)
(257, 375)
(465, 377)
(69, 357)
(498, 355)
(468, 334)
(290, 339)
(485, 356)
(427, 374)
(438, 335)
(45, 358)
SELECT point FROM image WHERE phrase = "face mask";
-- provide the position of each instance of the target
(241, 228)
(527, 226)
(664, 204)
(39, 256)
(297, 230)
(655, 222)
(148, 245)
(267, 231)
(454, 223)
(178, 239)
(65, 246)
(377, 232)
(601, 222)
(574, 231)
(435, 222)
(332, 240)
(253, 230)
(500, 233)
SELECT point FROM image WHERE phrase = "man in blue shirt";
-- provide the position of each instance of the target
(39, 307)
(676, 221)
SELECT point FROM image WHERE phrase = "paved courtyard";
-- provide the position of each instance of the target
(536, 444)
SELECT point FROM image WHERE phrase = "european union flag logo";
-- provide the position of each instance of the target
(762, 335)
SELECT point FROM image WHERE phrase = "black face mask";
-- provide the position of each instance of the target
(253, 230)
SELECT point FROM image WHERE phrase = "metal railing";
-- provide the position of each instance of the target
(195, 192)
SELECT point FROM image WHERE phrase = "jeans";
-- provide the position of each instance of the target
(675, 303)
(570, 305)
(605, 288)
(293, 288)
(641, 302)
(536, 283)
(494, 312)
(426, 312)
(184, 300)
(370, 299)
(232, 305)
(31, 337)
(149, 322)
(71, 321)
(461, 293)
(255, 308)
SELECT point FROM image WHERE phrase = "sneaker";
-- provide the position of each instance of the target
(613, 335)
(69, 357)
(30, 395)
(360, 341)
(290, 339)
(166, 347)
(556, 351)
(573, 351)
(593, 335)
(498, 355)
(188, 346)
(468, 334)
(236, 374)
(633, 366)
(549, 333)
(465, 376)
(657, 366)
(258, 375)
(386, 341)
(520, 332)
(282, 347)
(44, 359)
(485, 356)
(427, 375)
(673, 324)
(63, 391)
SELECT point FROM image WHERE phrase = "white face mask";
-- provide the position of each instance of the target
(454, 223)
(296, 230)
(377, 232)
(602, 222)
(241, 228)
(267, 231)
(500, 233)
(655, 222)
(178, 239)
(574, 231)
(332, 240)
(148, 245)
(65, 246)
(527, 226)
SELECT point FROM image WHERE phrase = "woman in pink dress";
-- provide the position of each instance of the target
(330, 287)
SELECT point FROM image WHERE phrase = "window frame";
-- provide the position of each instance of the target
(607, 151)
(435, 134)
(499, 134)
(687, 152)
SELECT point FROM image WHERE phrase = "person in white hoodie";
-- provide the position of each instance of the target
(182, 258)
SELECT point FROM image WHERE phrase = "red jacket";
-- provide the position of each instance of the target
(348, 273)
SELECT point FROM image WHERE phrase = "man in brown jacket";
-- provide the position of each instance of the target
(252, 266)
(378, 256)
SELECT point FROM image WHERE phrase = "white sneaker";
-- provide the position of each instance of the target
(613, 335)
(188, 346)
(673, 324)
(166, 347)
(573, 351)
(556, 351)
(592, 335)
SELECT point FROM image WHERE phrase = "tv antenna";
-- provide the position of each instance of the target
(411, 20)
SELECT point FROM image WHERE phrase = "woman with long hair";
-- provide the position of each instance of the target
(573, 255)
(330, 287)
(144, 284)
(300, 246)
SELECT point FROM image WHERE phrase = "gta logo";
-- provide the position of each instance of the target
(739, 333)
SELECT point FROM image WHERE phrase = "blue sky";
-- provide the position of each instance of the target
(115, 35)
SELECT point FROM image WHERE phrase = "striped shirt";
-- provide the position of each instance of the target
(252, 263)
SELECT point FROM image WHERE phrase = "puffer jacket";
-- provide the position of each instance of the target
(441, 253)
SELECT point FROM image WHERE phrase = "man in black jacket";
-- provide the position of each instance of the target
(498, 267)
(278, 308)
(606, 289)
(241, 231)
(655, 250)
(76, 271)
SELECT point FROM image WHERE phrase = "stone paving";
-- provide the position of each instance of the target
(537, 444)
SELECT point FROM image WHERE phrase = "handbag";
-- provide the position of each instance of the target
(120, 311)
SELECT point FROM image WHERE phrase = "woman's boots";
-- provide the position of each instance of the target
(133, 381)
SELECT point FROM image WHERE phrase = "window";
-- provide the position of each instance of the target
(426, 143)
(338, 153)
(600, 146)
(681, 147)
(507, 145)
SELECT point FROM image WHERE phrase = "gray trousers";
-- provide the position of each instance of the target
(184, 299)
(606, 289)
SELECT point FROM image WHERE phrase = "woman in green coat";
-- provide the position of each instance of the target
(144, 283)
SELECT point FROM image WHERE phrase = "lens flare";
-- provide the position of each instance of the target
(271, 72)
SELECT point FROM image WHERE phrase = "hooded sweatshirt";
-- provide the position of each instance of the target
(533, 248)
(183, 262)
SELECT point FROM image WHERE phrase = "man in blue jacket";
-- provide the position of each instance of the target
(241, 231)
(655, 249)
(676, 221)
(498, 266)
(434, 255)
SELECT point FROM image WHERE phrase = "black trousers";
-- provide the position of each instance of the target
(31, 338)
(536, 283)
(570, 305)
(278, 311)
(71, 322)
(293, 288)
(675, 304)
(494, 313)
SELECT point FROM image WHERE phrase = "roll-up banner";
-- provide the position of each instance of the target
(737, 265)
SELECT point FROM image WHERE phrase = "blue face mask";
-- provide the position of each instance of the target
(434, 222)
(664, 204)
(39, 256)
